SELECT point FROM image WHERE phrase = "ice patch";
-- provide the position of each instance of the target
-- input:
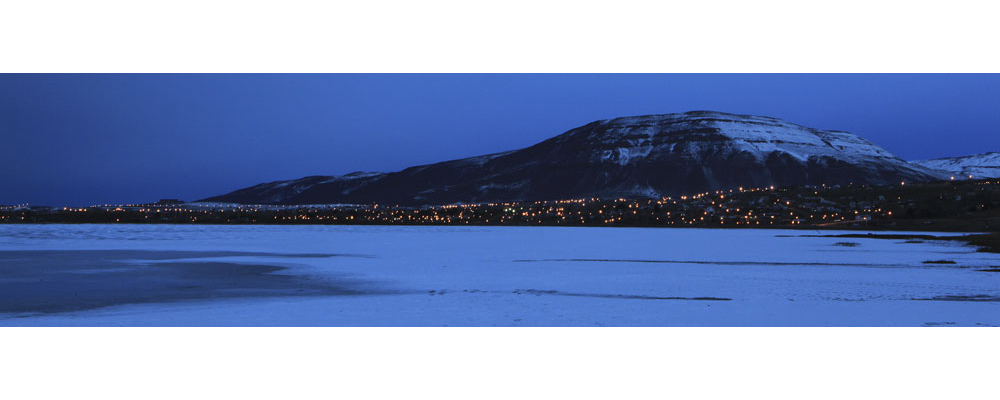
(553, 276)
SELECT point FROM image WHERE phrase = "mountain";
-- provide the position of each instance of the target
(643, 156)
(282, 192)
(986, 165)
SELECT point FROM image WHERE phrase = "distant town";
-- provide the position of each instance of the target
(967, 205)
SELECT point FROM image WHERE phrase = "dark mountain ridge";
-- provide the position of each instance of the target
(644, 156)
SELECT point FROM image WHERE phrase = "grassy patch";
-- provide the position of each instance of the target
(989, 242)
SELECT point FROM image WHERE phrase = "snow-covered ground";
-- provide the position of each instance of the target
(535, 276)
(978, 166)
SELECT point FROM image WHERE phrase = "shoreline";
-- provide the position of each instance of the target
(984, 242)
(905, 228)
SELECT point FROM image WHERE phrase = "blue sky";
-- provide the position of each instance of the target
(68, 139)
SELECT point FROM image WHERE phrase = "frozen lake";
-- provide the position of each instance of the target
(190, 275)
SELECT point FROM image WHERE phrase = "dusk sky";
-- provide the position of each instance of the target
(123, 138)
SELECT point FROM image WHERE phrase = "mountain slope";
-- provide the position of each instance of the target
(644, 156)
(986, 165)
(281, 192)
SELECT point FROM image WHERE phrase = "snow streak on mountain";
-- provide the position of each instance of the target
(985, 165)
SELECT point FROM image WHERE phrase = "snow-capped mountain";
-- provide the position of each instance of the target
(986, 165)
(644, 156)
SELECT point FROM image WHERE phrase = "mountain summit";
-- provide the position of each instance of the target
(643, 156)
